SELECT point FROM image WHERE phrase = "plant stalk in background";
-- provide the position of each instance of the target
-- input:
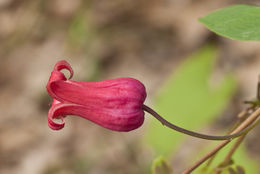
(251, 120)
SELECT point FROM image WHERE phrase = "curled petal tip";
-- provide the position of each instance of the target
(54, 114)
(63, 64)
(56, 126)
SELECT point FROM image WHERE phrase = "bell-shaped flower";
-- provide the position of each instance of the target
(114, 104)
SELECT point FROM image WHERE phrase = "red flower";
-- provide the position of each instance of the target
(114, 104)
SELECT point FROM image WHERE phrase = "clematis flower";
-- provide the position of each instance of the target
(113, 104)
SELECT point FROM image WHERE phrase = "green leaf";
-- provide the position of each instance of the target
(160, 166)
(238, 22)
(189, 100)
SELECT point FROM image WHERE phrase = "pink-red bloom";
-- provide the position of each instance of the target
(114, 104)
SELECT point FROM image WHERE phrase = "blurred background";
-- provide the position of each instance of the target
(194, 78)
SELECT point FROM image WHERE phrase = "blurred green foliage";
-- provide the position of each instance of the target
(160, 166)
(189, 100)
(80, 32)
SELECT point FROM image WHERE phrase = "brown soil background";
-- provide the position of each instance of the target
(143, 39)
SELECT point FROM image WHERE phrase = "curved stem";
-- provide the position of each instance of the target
(195, 134)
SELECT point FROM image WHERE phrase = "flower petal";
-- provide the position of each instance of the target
(54, 113)
(56, 75)
(117, 120)
(63, 64)
(109, 93)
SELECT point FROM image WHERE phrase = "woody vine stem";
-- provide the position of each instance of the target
(252, 119)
